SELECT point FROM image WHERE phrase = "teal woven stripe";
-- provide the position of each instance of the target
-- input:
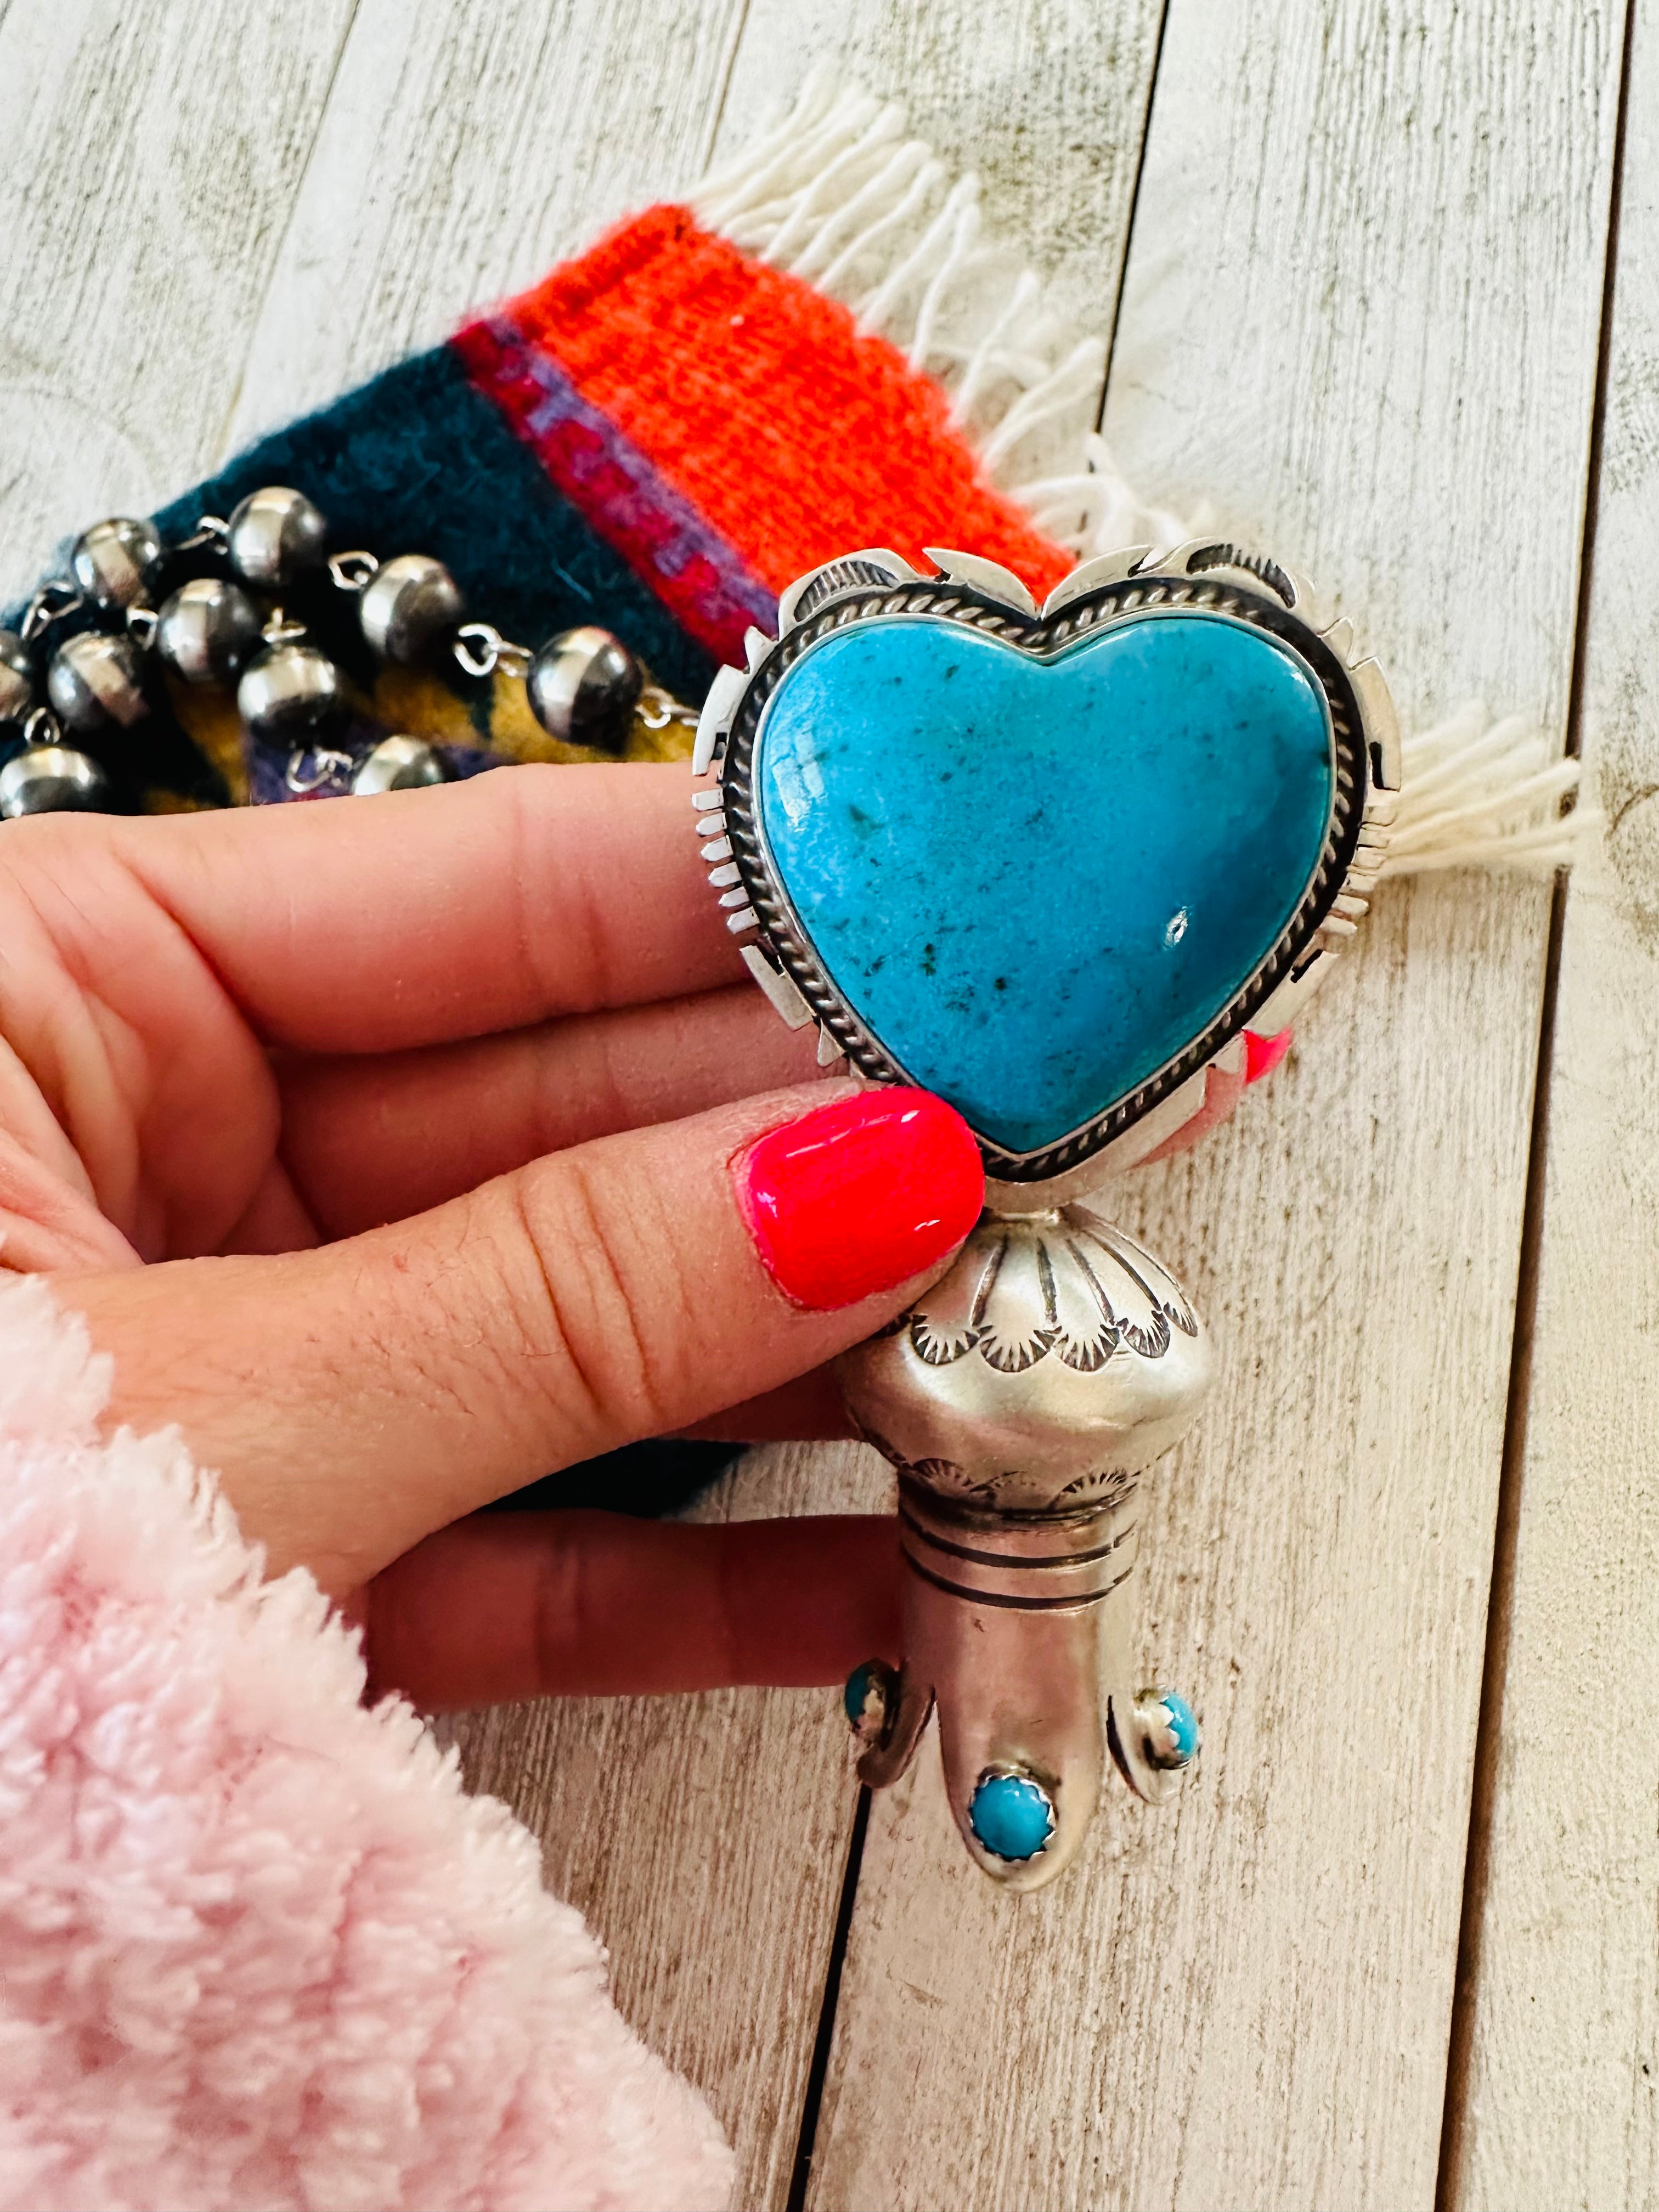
(418, 461)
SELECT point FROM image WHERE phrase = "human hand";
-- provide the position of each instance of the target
(401, 1153)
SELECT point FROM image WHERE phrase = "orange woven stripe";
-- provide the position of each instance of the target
(755, 395)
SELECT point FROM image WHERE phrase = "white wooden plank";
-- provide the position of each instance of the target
(465, 151)
(148, 159)
(1561, 2106)
(1361, 318)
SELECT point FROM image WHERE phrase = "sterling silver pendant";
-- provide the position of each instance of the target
(1058, 866)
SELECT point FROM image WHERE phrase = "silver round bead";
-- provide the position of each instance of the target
(400, 763)
(584, 685)
(51, 780)
(289, 696)
(16, 679)
(114, 562)
(410, 608)
(96, 683)
(275, 537)
(1050, 1365)
(208, 630)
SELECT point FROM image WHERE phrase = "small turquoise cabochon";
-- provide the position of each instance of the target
(1181, 1725)
(1036, 881)
(1012, 1815)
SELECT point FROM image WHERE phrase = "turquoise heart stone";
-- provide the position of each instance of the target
(1036, 881)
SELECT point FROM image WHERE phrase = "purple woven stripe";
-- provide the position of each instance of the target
(623, 494)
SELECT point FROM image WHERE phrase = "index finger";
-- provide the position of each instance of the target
(452, 911)
(579, 1603)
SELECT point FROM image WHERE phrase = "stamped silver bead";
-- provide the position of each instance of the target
(290, 695)
(16, 679)
(584, 685)
(400, 763)
(208, 630)
(51, 780)
(114, 562)
(276, 536)
(96, 684)
(411, 609)
(1042, 1373)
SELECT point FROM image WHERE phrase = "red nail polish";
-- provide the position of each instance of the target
(1263, 1054)
(860, 1196)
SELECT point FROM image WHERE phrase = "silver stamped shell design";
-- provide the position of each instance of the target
(1066, 1285)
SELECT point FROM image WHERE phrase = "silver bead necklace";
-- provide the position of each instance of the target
(233, 627)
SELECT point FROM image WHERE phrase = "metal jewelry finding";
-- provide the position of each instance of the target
(1021, 1400)
(1024, 1398)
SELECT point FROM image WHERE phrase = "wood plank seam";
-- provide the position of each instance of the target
(1135, 209)
(1512, 1476)
(1495, 1664)
(813, 2102)
(722, 97)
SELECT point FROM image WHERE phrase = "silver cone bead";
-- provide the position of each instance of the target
(583, 687)
(289, 696)
(409, 610)
(16, 679)
(400, 763)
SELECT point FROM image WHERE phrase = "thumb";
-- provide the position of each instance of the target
(354, 1398)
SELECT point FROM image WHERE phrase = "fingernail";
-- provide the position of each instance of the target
(860, 1196)
(1262, 1054)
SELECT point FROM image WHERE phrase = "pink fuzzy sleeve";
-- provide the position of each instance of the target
(258, 1948)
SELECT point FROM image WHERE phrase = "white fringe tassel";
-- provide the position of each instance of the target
(838, 194)
(1476, 794)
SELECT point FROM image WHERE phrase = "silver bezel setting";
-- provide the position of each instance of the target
(1209, 578)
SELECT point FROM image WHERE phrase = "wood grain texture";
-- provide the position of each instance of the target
(1562, 2104)
(1361, 318)
(464, 150)
(1045, 100)
(148, 161)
